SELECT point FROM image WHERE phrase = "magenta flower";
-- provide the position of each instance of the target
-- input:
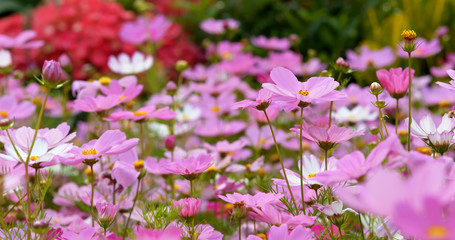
(188, 207)
(143, 29)
(190, 167)
(292, 93)
(370, 58)
(424, 48)
(10, 108)
(97, 104)
(21, 41)
(147, 112)
(327, 138)
(53, 72)
(126, 168)
(106, 213)
(170, 233)
(395, 81)
(214, 26)
(272, 43)
(110, 143)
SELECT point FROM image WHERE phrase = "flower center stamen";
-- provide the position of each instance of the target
(4, 114)
(311, 175)
(140, 113)
(437, 232)
(34, 158)
(304, 93)
(90, 151)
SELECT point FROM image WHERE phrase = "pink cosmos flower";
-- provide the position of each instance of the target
(263, 100)
(448, 64)
(271, 215)
(110, 143)
(124, 171)
(147, 112)
(217, 127)
(170, 233)
(287, 59)
(424, 48)
(395, 81)
(126, 88)
(21, 41)
(190, 167)
(370, 58)
(143, 29)
(213, 26)
(291, 92)
(451, 84)
(282, 233)
(188, 207)
(272, 43)
(433, 221)
(10, 108)
(53, 72)
(327, 138)
(96, 104)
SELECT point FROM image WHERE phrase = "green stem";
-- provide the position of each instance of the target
(361, 227)
(240, 229)
(132, 209)
(281, 160)
(410, 105)
(14, 146)
(301, 158)
(341, 233)
(325, 158)
(191, 188)
(27, 177)
(92, 183)
(380, 119)
(386, 229)
(396, 117)
(15, 205)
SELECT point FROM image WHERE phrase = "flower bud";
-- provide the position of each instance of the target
(171, 88)
(40, 226)
(451, 114)
(181, 65)
(106, 213)
(188, 207)
(409, 40)
(169, 142)
(376, 88)
(53, 72)
(340, 62)
(6, 124)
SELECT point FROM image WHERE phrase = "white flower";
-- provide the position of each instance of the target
(123, 64)
(188, 113)
(312, 166)
(357, 114)
(5, 58)
(336, 208)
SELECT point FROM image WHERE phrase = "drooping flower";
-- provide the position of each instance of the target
(395, 81)
(143, 29)
(123, 64)
(263, 100)
(292, 94)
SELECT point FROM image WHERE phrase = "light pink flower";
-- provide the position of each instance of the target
(143, 29)
(424, 48)
(214, 26)
(272, 43)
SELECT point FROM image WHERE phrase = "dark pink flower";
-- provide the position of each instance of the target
(395, 81)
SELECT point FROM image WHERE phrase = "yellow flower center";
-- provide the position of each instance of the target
(139, 164)
(262, 141)
(217, 186)
(88, 171)
(215, 109)
(36, 100)
(402, 133)
(226, 55)
(443, 103)
(90, 151)
(437, 232)
(248, 166)
(351, 117)
(424, 150)
(409, 34)
(261, 235)
(261, 171)
(311, 175)
(352, 98)
(121, 98)
(34, 158)
(141, 113)
(211, 169)
(4, 114)
(104, 80)
(228, 206)
(304, 93)
(177, 187)
(185, 117)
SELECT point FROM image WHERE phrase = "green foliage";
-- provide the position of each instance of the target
(158, 215)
